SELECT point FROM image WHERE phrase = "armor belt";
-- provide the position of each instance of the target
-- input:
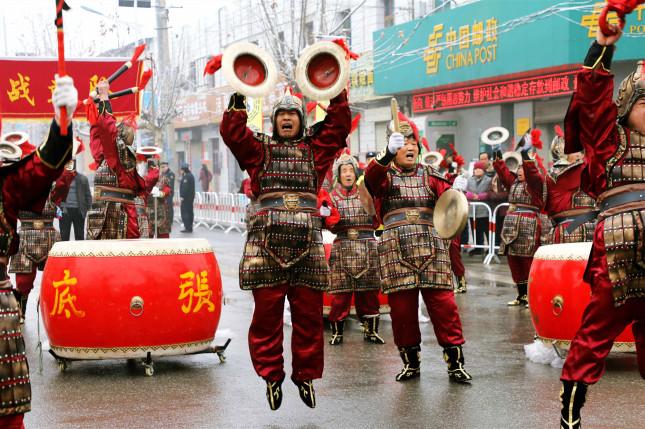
(355, 234)
(522, 208)
(420, 215)
(291, 202)
(620, 199)
(36, 224)
(117, 195)
(575, 219)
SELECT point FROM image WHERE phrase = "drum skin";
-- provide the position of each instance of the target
(328, 240)
(558, 296)
(125, 298)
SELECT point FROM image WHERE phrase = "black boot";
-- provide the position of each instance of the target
(337, 329)
(461, 285)
(274, 394)
(572, 397)
(307, 392)
(522, 299)
(411, 357)
(370, 330)
(454, 357)
(23, 307)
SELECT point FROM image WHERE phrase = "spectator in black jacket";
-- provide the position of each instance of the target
(187, 197)
(170, 175)
(75, 207)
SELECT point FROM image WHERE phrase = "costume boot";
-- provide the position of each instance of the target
(307, 392)
(461, 285)
(411, 357)
(22, 300)
(521, 299)
(454, 357)
(370, 330)
(572, 397)
(337, 329)
(274, 394)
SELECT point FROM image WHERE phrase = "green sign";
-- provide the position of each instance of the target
(442, 123)
(493, 38)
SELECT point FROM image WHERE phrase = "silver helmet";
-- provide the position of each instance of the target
(344, 159)
(289, 102)
(631, 89)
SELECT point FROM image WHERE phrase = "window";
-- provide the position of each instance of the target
(126, 3)
(139, 3)
(388, 13)
(309, 33)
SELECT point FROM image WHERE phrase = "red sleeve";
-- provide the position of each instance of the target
(331, 136)
(61, 186)
(151, 179)
(105, 130)
(439, 185)
(590, 124)
(334, 217)
(95, 144)
(240, 140)
(534, 180)
(505, 176)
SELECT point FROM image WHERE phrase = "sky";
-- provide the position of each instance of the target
(91, 27)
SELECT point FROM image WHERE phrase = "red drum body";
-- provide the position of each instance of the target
(126, 298)
(558, 296)
(328, 240)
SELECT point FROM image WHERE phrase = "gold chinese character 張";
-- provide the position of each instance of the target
(20, 89)
(94, 81)
(51, 89)
(64, 299)
(195, 287)
(432, 54)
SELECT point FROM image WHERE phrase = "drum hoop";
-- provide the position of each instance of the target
(564, 252)
(94, 353)
(619, 346)
(127, 248)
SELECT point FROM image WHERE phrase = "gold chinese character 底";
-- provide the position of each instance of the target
(195, 287)
(20, 89)
(64, 299)
(432, 54)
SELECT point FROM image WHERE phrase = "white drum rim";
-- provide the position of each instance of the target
(242, 48)
(128, 248)
(23, 137)
(486, 139)
(126, 352)
(310, 90)
(564, 252)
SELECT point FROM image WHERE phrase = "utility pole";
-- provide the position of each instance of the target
(163, 73)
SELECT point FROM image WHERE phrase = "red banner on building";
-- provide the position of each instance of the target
(556, 84)
(26, 85)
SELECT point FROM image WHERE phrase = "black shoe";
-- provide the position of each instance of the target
(370, 330)
(307, 392)
(274, 394)
(411, 357)
(337, 329)
(454, 357)
(186, 231)
(572, 397)
(461, 285)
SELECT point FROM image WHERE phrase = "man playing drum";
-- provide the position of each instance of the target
(284, 255)
(26, 184)
(354, 256)
(413, 258)
(613, 138)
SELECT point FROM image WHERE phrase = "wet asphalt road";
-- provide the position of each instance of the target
(358, 388)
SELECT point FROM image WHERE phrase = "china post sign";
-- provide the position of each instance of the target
(492, 38)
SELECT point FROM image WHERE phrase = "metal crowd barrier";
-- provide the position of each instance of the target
(489, 247)
(217, 210)
(493, 236)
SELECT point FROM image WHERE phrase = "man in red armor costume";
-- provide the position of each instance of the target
(413, 258)
(354, 256)
(284, 255)
(26, 185)
(115, 213)
(521, 230)
(613, 138)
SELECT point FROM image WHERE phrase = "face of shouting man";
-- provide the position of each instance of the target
(407, 156)
(288, 124)
(347, 176)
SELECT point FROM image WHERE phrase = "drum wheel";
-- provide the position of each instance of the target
(148, 365)
(63, 365)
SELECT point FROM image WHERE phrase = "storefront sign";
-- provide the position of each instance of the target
(442, 123)
(492, 38)
(26, 85)
(556, 84)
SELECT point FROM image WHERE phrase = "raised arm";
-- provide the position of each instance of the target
(238, 137)
(505, 176)
(534, 179)
(331, 135)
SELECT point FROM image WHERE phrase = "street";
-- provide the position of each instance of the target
(358, 388)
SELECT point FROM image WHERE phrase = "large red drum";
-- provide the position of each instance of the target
(328, 241)
(130, 298)
(558, 296)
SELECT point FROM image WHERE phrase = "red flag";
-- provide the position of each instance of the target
(214, 64)
(311, 105)
(145, 77)
(355, 122)
(350, 55)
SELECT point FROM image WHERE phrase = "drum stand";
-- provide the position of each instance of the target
(148, 364)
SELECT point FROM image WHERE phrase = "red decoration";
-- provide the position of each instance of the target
(214, 64)
(81, 146)
(355, 122)
(311, 105)
(349, 54)
(535, 138)
(558, 131)
(145, 77)
(415, 130)
(622, 8)
(426, 145)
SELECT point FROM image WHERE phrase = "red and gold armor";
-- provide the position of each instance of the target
(521, 230)
(412, 254)
(162, 216)
(354, 255)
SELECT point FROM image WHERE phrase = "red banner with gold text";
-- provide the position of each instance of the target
(26, 85)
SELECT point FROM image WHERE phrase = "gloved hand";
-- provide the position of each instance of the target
(65, 95)
(395, 143)
(325, 211)
(156, 192)
(526, 143)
